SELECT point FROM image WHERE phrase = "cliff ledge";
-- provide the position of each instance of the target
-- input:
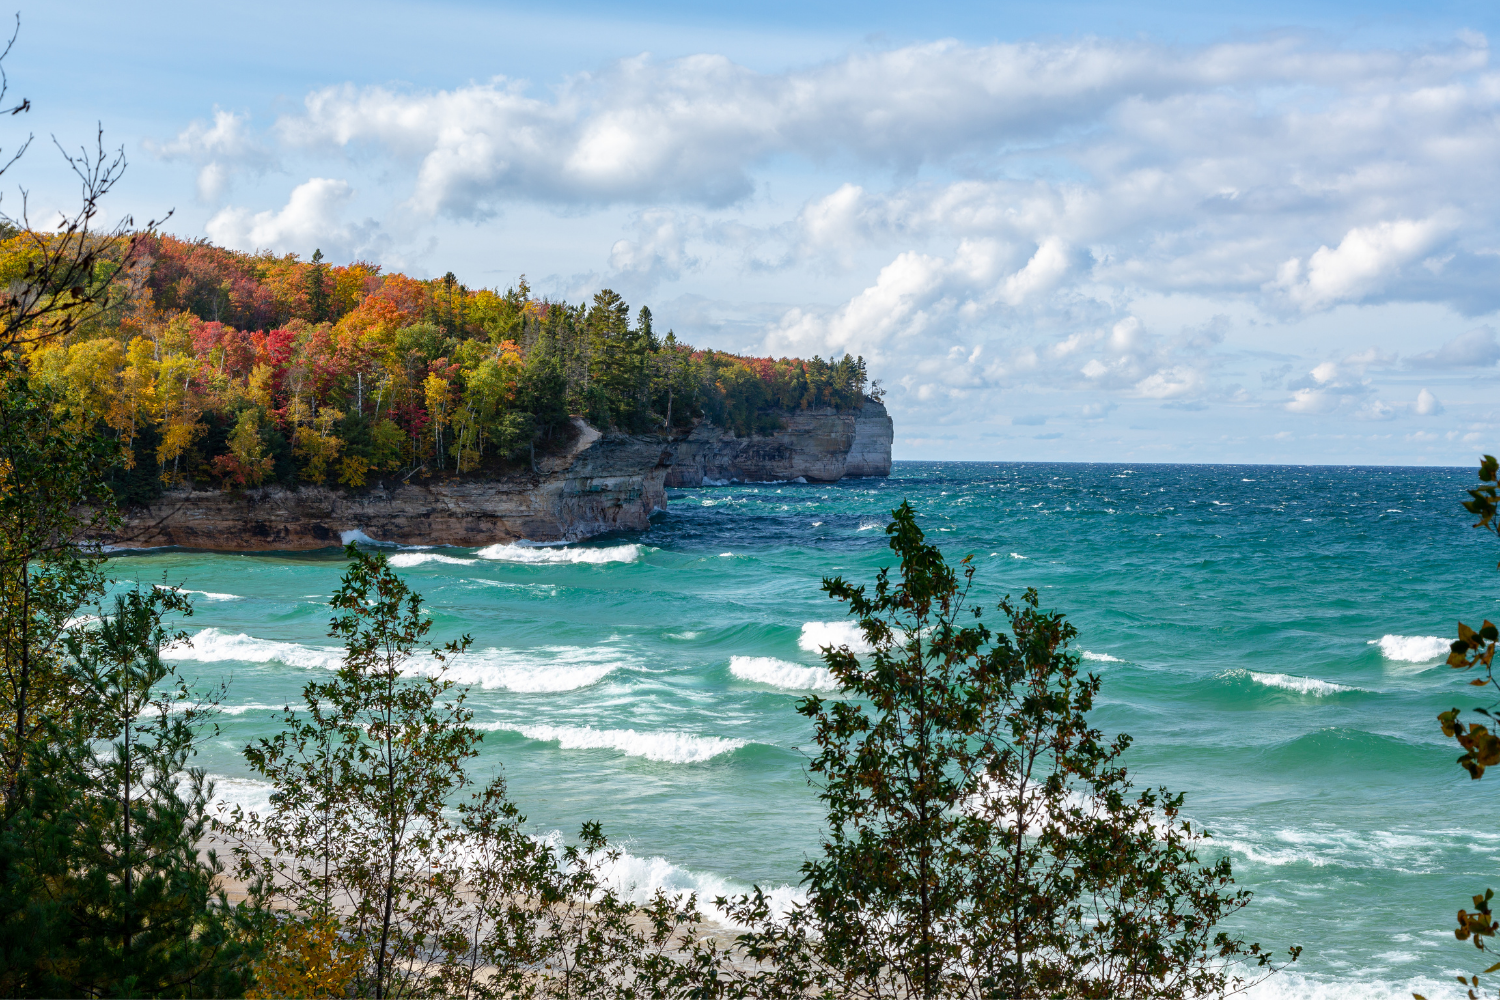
(599, 483)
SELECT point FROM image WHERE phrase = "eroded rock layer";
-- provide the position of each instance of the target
(599, 483)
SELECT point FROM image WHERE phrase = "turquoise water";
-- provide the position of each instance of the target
(1271, 636)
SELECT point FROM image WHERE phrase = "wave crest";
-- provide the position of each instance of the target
(782, 674)
(816, 635)
(536, 555)
(670, 747)
(402, 560)
(1411, 648)
(214, 645)
(1301, 685)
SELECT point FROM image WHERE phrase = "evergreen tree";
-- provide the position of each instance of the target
(983, 840)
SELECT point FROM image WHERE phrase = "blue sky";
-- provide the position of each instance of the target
(1164, 232)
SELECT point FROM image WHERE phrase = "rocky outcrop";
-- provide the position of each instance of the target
(819, 446)
(598, 483)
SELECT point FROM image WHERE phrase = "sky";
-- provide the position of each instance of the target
(1161, 232)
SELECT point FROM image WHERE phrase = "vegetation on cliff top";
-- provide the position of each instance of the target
(215, 367)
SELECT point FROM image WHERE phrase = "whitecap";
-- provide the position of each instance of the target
(726, 555)
(639, 879)
(358, 537)
(403, 560)
(545, 555)
(535, 671)
(214, 645)
(869, 525)
(1411, 648)
(207, 595)
(816, 635)
(1017, 555)
(1101, 657)
(669, 747)
(252, 707)
(529, 671)
(1301, 685)
(782, 674)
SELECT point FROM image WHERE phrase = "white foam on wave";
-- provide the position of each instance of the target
(1301, 685)
(669, 747)
(526, 671)
(214, 645)
(1292, 985)
(207, 595)
(535, 671)
(252, 707)
(402, 560)
(782, 673)
(358, 537)
(639, 879)
(546, 555)
(870, 525)
(1017, 555)
(1101, 657)
(1411, 648)
(816, 635)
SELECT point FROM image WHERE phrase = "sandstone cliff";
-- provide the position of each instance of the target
(599, 483)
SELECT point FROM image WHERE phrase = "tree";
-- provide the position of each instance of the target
(1475, 648)
(145, 911)
(378, 888)
(983, 840)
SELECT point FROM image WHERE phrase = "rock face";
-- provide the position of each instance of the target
(599, 483)
(820, 446)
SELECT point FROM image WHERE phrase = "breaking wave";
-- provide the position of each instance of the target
(544, 555)
(1411, 648)
(782, 674)
(1101, 657)
(1301, 685)
(214, 645)
(670, 747)
(816, 635)
(526, 671)
(402, 560)
(536, 671)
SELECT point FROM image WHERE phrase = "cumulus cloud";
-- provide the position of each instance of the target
(1427, 404)
(312, 218)
(658, 251)
(1475, 349)
(220, 149)
(1364, 260)
(1331, 385)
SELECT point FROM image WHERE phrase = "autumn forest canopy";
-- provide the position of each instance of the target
(215, 367)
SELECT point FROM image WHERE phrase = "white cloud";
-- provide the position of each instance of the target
(1475, 349)
(311, 219)
(1366, 258)
(1427, 404)
(220, 150)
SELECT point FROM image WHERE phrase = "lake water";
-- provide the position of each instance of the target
(1271, 636)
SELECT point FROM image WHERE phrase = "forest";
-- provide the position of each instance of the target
(212, 367)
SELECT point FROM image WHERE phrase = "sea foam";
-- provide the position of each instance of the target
(207, 595)
(402, 560)
(527, 671)
(535, 671)
(1301, 685)
(1101, 657)
(545, 555)
(816, 635)
(671, 747)
(214, 645)
(782, 674)
(1411, 648)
